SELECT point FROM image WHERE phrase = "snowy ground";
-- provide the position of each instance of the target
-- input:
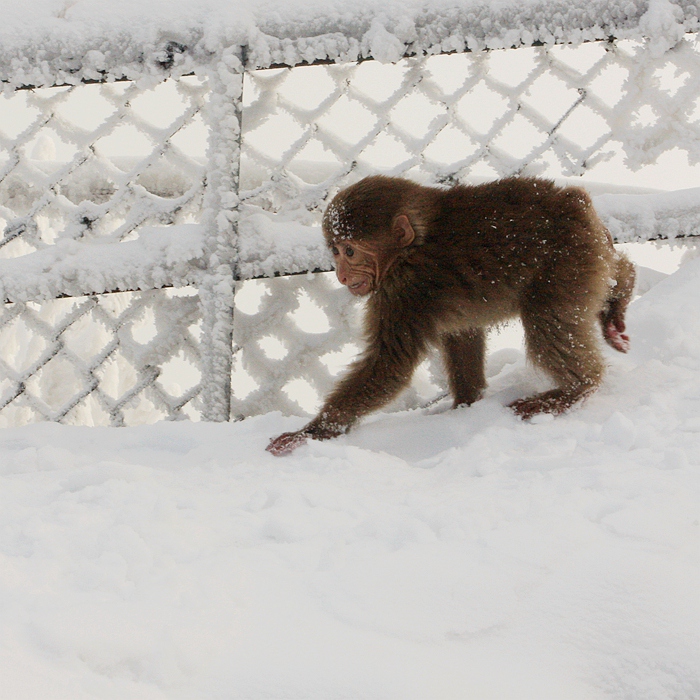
(439, 555)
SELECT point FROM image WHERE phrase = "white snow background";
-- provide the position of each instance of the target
(428, 554)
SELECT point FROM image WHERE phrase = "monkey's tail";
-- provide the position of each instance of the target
(612, 316)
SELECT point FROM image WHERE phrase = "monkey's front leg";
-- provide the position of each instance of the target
(371, 383)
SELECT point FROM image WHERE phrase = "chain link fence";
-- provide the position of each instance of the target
(137, 213)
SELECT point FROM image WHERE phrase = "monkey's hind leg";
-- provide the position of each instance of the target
(562, 342)
(612, 316)
(463, 354)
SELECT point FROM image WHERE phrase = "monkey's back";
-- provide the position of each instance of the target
(487, 246)
(515, 229)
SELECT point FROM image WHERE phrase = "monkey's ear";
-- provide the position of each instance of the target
(403, 231)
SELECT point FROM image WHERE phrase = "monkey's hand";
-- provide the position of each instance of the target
(287, 443)
(318, 429)
(615, 336)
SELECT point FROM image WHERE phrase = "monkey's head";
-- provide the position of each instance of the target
(366, 227)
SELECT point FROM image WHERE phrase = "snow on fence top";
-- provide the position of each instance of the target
(51, 42)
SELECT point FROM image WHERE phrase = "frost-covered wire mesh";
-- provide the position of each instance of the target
(559, 111)
(86, 172)
(113, 359)
(124, 231)
(99, 161)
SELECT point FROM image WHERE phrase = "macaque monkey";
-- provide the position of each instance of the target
(441, 266)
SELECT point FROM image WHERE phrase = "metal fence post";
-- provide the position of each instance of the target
(223, 116)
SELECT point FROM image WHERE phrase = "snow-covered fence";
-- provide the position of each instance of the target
(126, 231)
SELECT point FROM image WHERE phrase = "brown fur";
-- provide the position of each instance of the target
(441, 266)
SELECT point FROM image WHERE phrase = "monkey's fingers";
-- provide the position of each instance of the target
(616, 338)
(286, 443)
(548, 402)
(554, 401)
(525, 408)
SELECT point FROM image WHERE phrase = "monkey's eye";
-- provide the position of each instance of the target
(334, 250)
(349, 252)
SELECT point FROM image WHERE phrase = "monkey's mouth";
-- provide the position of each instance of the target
(359, 288)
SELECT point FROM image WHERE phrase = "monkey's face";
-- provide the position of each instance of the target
(357, 266)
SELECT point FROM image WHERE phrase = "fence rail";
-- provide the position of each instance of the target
(134, 210)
